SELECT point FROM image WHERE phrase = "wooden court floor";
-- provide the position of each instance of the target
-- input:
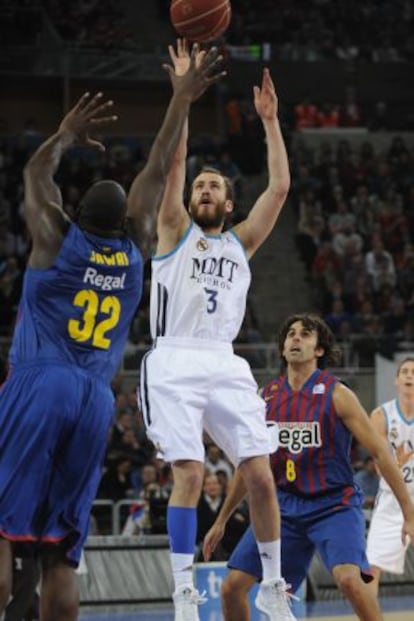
(394, 609)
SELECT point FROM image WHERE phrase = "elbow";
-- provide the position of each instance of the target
(281, 192)
(285, 185)
(281, 186)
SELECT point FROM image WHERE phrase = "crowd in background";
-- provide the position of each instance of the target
(304, 30)
(355, 230)
(356, 237)
(313, 30)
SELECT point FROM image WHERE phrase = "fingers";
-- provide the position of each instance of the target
(182, 47)
(182, 50)
(91, 106)
(93, 102)
(209, 63)
(81, 102)
(172, 53)
(103, 119)
(194, 53)
(95, 144)
(267, 82)
(207, 550)
(168, 69)
(215, 77)
(98, 109)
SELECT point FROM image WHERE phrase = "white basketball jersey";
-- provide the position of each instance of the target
(199, 289)
(400, 430)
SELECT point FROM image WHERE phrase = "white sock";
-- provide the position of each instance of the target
(182, 568)
(270, 557)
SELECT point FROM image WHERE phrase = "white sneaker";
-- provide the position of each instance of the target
(186, 603)
(273, 599)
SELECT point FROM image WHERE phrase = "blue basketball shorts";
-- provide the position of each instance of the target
(54, 424)
(336, 531)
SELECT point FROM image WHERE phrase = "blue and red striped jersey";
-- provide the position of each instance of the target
(313, 457)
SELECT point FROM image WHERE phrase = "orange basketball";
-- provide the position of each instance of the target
(200, 20)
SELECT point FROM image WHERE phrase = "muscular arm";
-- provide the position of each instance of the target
(356, 419)
(156, 179)
(173, 218)
(45, 218)
(263, 216)
(378, 421)
(149, 186)
(44, 215)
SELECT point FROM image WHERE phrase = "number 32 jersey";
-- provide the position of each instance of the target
(199, 290)
(79, 310)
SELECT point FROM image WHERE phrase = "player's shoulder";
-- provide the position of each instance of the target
(383, 410)
(325, 378)
(270, 389)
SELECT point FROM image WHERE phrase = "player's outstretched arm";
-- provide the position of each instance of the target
(44, 215)
(262, 218)
(173, 218)
(236, 492)
(353, 415)
(148, 187)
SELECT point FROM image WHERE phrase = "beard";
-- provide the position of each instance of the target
(208, 218)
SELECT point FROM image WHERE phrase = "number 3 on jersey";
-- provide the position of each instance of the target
(211, 300)
(88, 328)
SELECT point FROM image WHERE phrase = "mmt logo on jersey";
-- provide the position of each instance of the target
(222, 268)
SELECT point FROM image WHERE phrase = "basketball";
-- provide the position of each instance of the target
(200, 20)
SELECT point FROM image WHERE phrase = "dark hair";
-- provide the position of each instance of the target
(326, 339)
(402, 363)
(103, 207)
(227, 181)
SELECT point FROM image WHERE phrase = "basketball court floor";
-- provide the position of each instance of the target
(394, 609)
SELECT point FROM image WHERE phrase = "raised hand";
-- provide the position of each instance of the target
(191, 76)
(87, 114)
(181, 57)
(265, 98)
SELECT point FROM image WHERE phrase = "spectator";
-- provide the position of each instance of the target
(215, 461)
(210, 503)
(116, 481)
(328, 116)
(367, 478)
(337, 316)
(348, 242)
(380, 266)
(306, 114)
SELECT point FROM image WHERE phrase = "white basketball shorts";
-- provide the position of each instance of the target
(187, 385)
(384, 544)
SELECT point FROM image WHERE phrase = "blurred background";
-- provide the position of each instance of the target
(344, 244)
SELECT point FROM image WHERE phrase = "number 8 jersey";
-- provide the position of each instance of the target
(79, 310)
(199, 289)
